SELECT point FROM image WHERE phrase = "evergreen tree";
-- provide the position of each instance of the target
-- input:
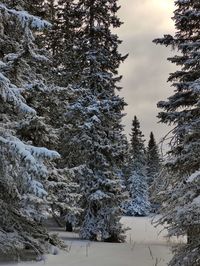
(22, 165)
(68, 61)
(181, 196)
(45, 129)
(153, 160)
(59, 40)
(93, 132)
(50, 102)
(138, 203)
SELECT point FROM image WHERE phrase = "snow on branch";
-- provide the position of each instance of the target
(25, 18)
(31, 156)
(99, 195)
(29, 152)
(11, 94)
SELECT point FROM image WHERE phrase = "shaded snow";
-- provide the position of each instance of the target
(144, 247)
(144, 232)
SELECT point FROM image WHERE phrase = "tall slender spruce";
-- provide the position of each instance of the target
(153, 160)
(93, 132)
(138, 203)
(182, 110)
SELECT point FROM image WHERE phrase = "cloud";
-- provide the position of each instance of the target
(146, 70)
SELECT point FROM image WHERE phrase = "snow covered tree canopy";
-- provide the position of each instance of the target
(93, 131)
(24, 18)
(22, 166)
(182, 110)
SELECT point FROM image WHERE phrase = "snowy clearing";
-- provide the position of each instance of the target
(144, 247)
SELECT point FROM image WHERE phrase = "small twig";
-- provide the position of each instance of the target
(151, 254)
(157, 261)
(156, 264)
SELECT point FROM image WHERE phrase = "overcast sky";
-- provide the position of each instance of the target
(146, 70)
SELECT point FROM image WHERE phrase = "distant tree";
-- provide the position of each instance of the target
(138, 203)
(181, 197)
(153, 160)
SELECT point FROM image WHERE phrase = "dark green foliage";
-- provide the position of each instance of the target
(153, 160)
(137, 142)
(182, 110)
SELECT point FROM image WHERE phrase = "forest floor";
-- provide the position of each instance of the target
(145, 246)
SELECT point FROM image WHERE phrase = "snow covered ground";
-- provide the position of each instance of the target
(144, 247)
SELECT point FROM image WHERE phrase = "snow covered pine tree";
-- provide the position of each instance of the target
(22, 169)
(138, 203)
(93, 132)
(182, 194)
(50, 100)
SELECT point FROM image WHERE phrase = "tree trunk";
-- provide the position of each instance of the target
(193, 234)
(68, 227)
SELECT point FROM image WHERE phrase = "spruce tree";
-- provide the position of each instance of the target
(50, 102)
(23, 168)
(153, 160)
(45, 130)
(59, 39)
(138, 203)
(68, 61)
(93, 132)
(182, 110)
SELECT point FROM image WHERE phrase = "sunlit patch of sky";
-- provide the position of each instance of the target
(146, 70)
